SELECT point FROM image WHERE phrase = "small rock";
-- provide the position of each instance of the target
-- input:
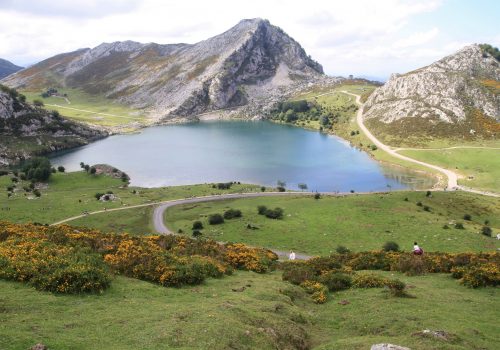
(442, 335)
(387, 346)
(39, 346)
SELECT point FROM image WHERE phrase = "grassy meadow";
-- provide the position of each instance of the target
(359, 222)
(93, 109)
(267, 314)
(70, 194)
(480, 168)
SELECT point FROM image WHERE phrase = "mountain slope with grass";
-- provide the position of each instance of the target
(455, 97)
(252, 64)
(28, 130)
(7, 68)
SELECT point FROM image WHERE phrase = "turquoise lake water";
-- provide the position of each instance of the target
(251, 152)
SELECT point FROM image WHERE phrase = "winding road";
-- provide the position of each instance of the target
(452, 183)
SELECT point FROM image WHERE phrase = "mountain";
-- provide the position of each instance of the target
(242, 66)
(457, 96)
(27, 130)
(7, 68)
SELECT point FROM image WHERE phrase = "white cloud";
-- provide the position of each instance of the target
(417, 39)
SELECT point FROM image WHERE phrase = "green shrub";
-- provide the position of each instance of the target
(342, 249)
(276, 213)
(232, 213)
(317, 195)
(467, 217)
(261, 209)
(297, 272)
(215, 219)
(197, 225)
(196, 233)
(396, 287)
(487, 231)
(459, 226)
(368, 280)
(335, 281)
(390, 246)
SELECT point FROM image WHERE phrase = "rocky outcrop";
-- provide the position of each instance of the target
(452, 91)
(7, 68)
(240, 67)
(27, 130)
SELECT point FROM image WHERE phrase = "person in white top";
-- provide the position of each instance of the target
(417, 250)
(292, 255)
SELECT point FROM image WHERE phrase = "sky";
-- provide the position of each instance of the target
(366, 38)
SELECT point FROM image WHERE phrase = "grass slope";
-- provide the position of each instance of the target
(93, 109)
(268, 314)
(483, 165)
(360, 222)
(69, 194)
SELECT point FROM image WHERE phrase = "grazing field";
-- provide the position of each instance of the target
(359, 222)
(267, 314)
(480, 168)
(93, 109)
(70, 194)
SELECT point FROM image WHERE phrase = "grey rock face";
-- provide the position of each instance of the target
(446, 90)
(230, 70)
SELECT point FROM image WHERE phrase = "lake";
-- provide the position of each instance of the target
(257, 152)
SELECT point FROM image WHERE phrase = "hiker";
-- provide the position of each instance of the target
(292, 255)
(417, 250)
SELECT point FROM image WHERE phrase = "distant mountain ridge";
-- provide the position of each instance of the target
(458, 95)
(7, 68)
(244, 65)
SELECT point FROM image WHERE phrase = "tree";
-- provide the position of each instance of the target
(281, 183)
(82, 165)
(37, 169)
(61, 169)
(86, 167)
(92, 170)
(317, 195)
(302, 186)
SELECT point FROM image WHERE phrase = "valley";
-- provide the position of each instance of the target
(228, 191)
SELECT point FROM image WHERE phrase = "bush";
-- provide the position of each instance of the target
(61, 169)
(459, 226)
(196, 233)
(263, 189)
(390, 247)
(37, 193)
(428, 194)
(261, 209)
(197, 225)
(481, 276)
(396, 287)
(98, 195)
(335, 281)
(232, 213)
(224, 186)
(342, 249)
(467, 217)
(412, 265)
(317, 195)
(38, 169)
(215, 219)
(427, 208)
(487, 231)
(297, 272)
(419, 204)
(281, 189)
(368, 280)
(318, 291)
(446, 227)
(276, 213)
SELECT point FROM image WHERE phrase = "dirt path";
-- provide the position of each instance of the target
(444, 148)
(451, 176)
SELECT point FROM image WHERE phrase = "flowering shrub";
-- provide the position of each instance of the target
(318, 291)
(241, 256)
(335, 281)
(396, 287)
(479, 275)
(368, 280)
(66, 259)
